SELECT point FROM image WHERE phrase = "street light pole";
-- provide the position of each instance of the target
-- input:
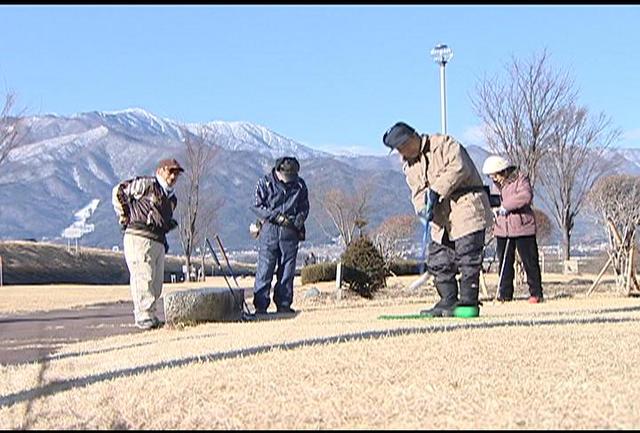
(441, 55)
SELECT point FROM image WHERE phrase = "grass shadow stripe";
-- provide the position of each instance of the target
(67, 384)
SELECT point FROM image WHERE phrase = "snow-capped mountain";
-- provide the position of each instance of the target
(67, 162)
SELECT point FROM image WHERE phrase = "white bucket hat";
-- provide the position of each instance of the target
(495, 164)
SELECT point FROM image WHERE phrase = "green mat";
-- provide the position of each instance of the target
(407, 316)
(462, 312)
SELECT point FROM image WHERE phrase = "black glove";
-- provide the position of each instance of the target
(172, 225)
(166, 246)
(299, 222)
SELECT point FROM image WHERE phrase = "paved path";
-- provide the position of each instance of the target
(35, 336)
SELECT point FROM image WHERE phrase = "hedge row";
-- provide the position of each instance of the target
(327, 271)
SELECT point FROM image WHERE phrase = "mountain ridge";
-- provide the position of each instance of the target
(66, 162)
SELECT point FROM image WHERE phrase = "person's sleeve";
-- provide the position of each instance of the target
(119, 199)
(417, 187)
(521, 196)
(260, 207)
(303, 207)
(453, 170)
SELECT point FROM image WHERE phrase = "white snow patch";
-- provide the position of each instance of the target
(80, 226)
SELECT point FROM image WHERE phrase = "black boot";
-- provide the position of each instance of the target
(469, 293)
(448, 299)
(439, 310)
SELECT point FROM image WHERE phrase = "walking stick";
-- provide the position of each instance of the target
(246, 313)
(224, 254)
(504, 255)
(426, 240)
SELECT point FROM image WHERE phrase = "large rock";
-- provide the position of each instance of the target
(211, 304)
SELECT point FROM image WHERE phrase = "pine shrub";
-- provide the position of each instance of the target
(364, 267)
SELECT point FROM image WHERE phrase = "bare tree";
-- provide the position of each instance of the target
(12, 127)
(615, 200)
(346, 212)
(519, 111)
(544, 227)
(393, 233)
(575, 161)
(196, 211)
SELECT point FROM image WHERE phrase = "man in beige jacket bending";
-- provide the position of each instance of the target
(447, 193)
(144, 206)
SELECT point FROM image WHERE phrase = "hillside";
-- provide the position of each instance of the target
(60, 180)
(45, 263)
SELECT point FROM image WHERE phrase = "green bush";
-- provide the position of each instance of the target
(404, 267)
(318, 272)
(364, 267)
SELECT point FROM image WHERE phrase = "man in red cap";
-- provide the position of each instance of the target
(145, 206)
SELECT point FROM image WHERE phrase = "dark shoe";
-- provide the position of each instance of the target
(286, 310)
(535, 299)
(260, 312)
(157, 323)
(501, 299)
(145, 325)
(438, 311)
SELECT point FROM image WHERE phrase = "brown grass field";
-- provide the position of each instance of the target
(569, 363)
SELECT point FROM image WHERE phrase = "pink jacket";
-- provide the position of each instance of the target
(516, 195)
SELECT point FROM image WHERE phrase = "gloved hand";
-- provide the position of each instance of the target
(172, 225)
(299, 222)
(282, 220)
(123, 220)
(426, 213)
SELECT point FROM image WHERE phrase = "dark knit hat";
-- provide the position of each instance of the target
(397, 135)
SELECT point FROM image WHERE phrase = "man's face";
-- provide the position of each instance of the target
(410, 149)
(170, 175)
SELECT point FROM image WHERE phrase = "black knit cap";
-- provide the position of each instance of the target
(397, 135)
(288, 165)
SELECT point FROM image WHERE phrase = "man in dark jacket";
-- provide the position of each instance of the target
(282, 205)
(145, 206)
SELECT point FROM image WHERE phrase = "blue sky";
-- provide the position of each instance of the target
(331, 77)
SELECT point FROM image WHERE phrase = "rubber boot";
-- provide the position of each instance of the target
(448, 300)
(468, 306)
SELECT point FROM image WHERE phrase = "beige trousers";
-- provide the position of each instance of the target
(145, 260)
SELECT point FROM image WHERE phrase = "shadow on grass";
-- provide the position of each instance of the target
(437, 325)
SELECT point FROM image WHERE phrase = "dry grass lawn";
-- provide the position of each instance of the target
(569, 363)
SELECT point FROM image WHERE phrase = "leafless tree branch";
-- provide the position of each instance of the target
(196, 211)
(574, 162)
(13, 127)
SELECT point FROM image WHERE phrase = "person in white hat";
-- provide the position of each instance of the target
(515, 227)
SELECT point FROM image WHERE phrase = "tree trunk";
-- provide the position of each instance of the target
(187, 261)
(567, 243)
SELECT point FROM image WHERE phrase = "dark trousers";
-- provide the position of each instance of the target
(528, 250)
(463, 255)
(280, 255)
